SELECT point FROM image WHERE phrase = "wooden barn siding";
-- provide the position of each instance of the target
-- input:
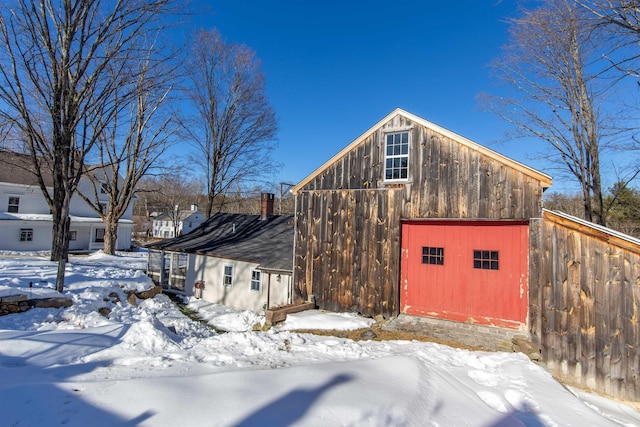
(346, 249)
(447, 180)
(584, 307)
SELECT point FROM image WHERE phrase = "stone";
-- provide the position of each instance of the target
(14, 298)
(524, 345)
(132, 299)
(50, 302)
(149, 293)
(104, 311)
(368, 335)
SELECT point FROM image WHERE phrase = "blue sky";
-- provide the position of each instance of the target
(335, 68)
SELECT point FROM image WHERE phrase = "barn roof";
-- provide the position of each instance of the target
(603, 233)
(268, 242)
(544, 179)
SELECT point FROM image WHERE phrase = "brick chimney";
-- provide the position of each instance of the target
(267, 205)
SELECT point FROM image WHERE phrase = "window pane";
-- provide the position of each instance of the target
(432, 255)
(486, 260)
(397, 156)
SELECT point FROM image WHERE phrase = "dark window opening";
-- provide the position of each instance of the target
(14, 204)
(26, 234)
(432, 255)
(99, 235)
(485, 260)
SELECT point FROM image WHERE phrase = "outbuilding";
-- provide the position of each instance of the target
(422, 226)
(413, 218)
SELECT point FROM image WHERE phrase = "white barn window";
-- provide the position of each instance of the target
(396, 156)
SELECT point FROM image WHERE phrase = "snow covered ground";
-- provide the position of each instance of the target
(151, 366)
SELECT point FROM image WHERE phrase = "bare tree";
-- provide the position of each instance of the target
(622, 14)
(553, 70)
(61, 61)
(130, 147)
(169, 194)
(233, 126)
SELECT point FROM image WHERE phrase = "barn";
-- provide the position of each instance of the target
(413, 218)
(422, 226)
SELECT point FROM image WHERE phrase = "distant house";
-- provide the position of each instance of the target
(242, 261)
(26, 220)
(168, 226)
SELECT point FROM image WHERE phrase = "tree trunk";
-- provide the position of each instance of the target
(60, 209)
(110, 235)
(598, 203)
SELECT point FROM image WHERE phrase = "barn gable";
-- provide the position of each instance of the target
(349, 211)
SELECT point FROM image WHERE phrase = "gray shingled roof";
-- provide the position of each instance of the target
(268, 242)
(17, 168)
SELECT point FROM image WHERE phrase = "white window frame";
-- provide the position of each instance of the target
(256, 280)
(396, 157)
(26, 234)
(15, 205)
(73, 235)
(95, 235)
(227, 275)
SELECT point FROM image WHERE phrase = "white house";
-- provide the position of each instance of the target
(164, 225)
(26, 220)
(238, 260)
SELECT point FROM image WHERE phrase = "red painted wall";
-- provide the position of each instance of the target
(456, 290)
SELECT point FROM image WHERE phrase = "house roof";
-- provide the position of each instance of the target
(544, 179)
(18, 169)
(268, 242)
(182, 215)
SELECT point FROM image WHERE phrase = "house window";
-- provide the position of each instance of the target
(485, 260)
(103, 188)
(227, 278)
(73, 235)
(26, 234)
(432, 255)
(99, 235)
(255, 280)
(397, 156)
(14, 204)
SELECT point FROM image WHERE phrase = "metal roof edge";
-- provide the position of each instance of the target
(594, 226)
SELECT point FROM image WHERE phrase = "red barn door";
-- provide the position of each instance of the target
(471, 271)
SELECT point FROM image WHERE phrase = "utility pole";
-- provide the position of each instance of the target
(282, 185)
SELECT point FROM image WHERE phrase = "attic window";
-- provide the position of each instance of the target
(396, 156)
